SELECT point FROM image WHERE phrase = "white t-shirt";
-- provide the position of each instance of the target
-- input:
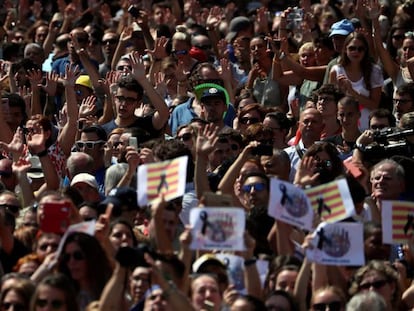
(359, 86)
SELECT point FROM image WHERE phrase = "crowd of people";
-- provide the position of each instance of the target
(304, 92)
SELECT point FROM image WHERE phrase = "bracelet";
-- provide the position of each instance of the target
(360, 147)
(42, 153)
(250, 262)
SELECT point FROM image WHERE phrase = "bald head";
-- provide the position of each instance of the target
(79, 162)
(310, 126)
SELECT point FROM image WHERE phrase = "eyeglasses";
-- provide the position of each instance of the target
(14, 209)
(110, 41)
(325, 98)
(376, 285)
(256, 187)
(16, 306)
(155, 296)
(353, 48)
(88, 144)
(31, 130)
(53, 246)
(179, 52)
(122, 68)
(247, 120)
(333, 306)
(127, 100)
(397, 101)
(76, 255)
(56, 304)
(398, 37)
(378, 126)
(185, 137)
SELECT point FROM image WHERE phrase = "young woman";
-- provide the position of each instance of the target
(357, 75)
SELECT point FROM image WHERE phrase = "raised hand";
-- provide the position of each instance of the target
(307, 173)
(126, 34)
(51, 83)
(35, 77)
(214, 17)
(206, 139)
(160, 84)
(71, 74)
(36, 139)
(16, 147)
(87, 107)
(159, 51)
(137, 64)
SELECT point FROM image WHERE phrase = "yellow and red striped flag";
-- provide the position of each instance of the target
(331, 201)
(167, 178)
(397, 221)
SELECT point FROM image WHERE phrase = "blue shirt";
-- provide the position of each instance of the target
(184, 113)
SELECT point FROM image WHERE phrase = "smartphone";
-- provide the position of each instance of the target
(56, 217)
(81, 124)
(352, 168)
(133, 10)
(263, 149)
(219, 200)
(133, 142)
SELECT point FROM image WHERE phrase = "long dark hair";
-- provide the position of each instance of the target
(366, 63)
(98, 267)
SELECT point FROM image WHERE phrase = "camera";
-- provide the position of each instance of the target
(131, 257)
(134, 11)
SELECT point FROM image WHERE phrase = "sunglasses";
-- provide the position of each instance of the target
(353, 48)
(247, 120)
(30, 130)
(256, 187)
(14, 209)
(376, 285)
(378, 127)
(185, 137)
(110, 41)
(179, 52)
(76, 255)
(53, 246)
(56, 304)
(333, 306)
(88, 144)
(155, 296)
(16, 306)
(127, 100)
(398, 37)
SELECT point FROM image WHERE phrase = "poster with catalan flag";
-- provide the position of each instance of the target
(397, 221)
(331, 201)
(167, 177)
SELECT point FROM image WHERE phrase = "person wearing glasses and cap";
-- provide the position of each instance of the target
(213, 106)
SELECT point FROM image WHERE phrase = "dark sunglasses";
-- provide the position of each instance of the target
(256, 187)
(14, 209)
(333, 306)
(179, 52)
(110, 41)
(378, 127)
(155, 296)
(30, 130)
(55, 303)
(246, 120)
(398, 37)
(88, 144)
(76, 255)
(353, 48)
(16, 306)
(116, 144)
(185, 137)
(376, 284)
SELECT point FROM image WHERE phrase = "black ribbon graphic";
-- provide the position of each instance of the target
(322, 206)
(163, 183)
(323, 239)
(285, 196)
(204, 219)
(409, 224)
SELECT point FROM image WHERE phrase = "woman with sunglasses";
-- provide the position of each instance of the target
(55, 292)
(188, 135)
(85, 262)
(250, 114)
(358, 76)
(381, 277)
(17, 296)
(400, 72)
(328, 298)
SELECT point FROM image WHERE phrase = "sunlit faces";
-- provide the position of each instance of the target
(311, 124)
(403, 103)
(213, 109)
(139, 282)
(307, 57)
(121, 236)
(126, 102)
(376, 281)
(47, 244)
(255, 191)
(50, 298)
(326, 105)
(386, 184)
(408, 48)
(258, 49)
(109, 42)
(378, 123)
(97, 145)
(204, 288)
(348, 116)
(285, 280)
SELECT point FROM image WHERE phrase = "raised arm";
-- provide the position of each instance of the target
(161, 115)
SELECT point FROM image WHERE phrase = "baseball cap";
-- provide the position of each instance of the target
(85, 178)
(85, 81)
(237, 24)
(120, 197)
(213, 93)
(206, 259)
(343, 28)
